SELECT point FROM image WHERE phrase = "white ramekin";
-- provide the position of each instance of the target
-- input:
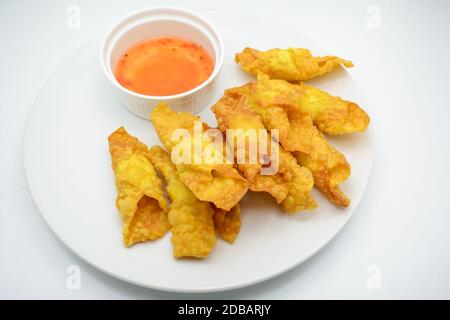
(154, 22)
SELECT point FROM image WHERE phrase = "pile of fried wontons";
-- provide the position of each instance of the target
(204, 197)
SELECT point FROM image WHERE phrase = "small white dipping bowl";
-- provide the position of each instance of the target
(156, 22)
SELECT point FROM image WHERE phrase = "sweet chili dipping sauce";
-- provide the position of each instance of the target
(164, 66)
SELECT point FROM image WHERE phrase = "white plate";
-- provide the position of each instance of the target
(67, 166)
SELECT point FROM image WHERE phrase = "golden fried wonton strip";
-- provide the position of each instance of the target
(292, 64)
(219, 183)
(193, 231)
(291, 185)
(228, 223)
(330, 114)
(140, 199)
(299, 135)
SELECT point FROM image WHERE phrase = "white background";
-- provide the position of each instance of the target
(402, 225)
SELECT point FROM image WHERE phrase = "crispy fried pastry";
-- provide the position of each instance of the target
(301, 181)
(330, 114)
(291, 184)
(292, 64)
(299, 135)
(213, 181)
(228, 223)
(193, 231)
(140, 199)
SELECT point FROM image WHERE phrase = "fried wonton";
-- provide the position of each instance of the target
(299, 135)
(228, 223)
(140, 198)
(330, 114)
(276, 113)
(289, 184)
(193, 230)
(301, 181)
(207, 173)
(233, 112)
(328, 166)
(292, 64)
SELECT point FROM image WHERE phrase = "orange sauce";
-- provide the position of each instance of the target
(164, 66)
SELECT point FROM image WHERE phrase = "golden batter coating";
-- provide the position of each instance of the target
(332, 115)
(292, 64)
(290, 185)
(140, 199)
(299, 135)
(228, 223)
(219, 183)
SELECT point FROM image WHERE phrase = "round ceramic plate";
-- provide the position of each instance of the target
(68, 170)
